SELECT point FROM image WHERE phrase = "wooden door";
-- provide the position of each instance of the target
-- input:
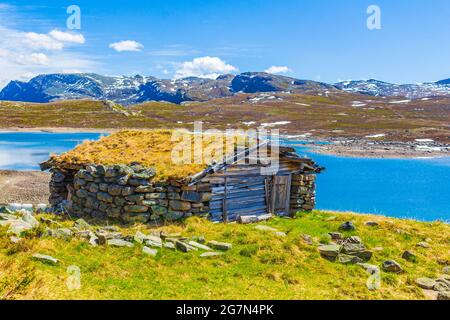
(281, 191)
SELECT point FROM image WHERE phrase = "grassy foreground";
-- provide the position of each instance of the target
(260, 265)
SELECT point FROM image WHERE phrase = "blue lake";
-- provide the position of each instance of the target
(413, 188)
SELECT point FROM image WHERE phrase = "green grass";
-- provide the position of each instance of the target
(260, 265)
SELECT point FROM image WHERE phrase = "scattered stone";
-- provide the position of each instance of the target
(347, 226)
(347, 259)
(372, 224)
(370, 268)
(408, 255)
(280, 234)
(7, 216)
(169, 245)
(82, 224)
(425, 283)
(211, 254)
(354, 239)
(93, 241)
(308, 239)
(18, 227)
(423, 244)
(357, 250)
(329, 251)
(139, 237)
(392, 266)
(446, 270)
(220, 245)
(119, 243)
(62, 233)
(149, 251)
(444, 295)
(45, 258)
(199, 246)
(441, 286)
(184, 247)
(30, 219)
(153, 241)
(335, 235)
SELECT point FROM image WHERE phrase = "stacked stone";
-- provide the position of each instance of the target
(129, 193)
(303, 192)
(59, 186)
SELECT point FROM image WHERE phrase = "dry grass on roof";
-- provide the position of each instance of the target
(151, 148)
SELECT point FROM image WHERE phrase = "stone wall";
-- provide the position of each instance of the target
(128, 193)
(303, 192)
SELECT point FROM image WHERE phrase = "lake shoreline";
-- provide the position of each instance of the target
(343, 147)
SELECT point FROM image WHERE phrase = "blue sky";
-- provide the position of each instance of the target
(323, 40)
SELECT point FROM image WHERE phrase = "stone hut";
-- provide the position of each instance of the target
(130, 176)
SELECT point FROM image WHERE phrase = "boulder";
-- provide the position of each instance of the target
(45, 258)
(357, 250)
(219, 245)
(425, 283)
(392, 266)
(441, 286)
(347, 226)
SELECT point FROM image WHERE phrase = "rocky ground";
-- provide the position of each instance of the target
(363, 148)
(24, 187)
(318, 255)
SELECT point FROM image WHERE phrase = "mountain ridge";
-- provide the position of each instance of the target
(128, 90)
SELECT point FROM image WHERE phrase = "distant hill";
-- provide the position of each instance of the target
(128, 90)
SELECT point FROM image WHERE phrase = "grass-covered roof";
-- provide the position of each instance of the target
(151, 148)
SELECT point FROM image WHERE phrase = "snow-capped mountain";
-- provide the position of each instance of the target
(411, 91)
(129, 90)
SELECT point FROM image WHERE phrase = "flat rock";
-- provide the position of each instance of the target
(149, 251)
(119, 243)
(423, 244)
(169, 245)
(280, 234)
(329, 251)
(18, 227)
(45, 258)
(357, 250)
(82, 224)
(220, 245)
(347, 259)
(353, 239)
(199, 245)
(426, 283)
(184, 247)
(371, 224)
(62, 233)
(308, 239)
(392, 266)
(211, 254)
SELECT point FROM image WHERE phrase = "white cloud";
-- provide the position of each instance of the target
(204, 67)
(67, 36)
(277, 69)
(24, 55)
(41, 41)
(127, 45)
